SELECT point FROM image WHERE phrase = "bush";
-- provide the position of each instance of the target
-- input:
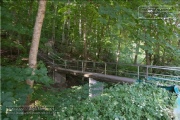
(118, 102)
(15, 90)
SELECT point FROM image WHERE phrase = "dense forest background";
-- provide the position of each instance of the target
(109, 31)
(114, 31)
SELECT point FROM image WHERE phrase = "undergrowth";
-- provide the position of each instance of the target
(118, 102)
(138, 101)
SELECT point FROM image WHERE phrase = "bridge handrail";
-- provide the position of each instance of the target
(123, 64)
(103, 67)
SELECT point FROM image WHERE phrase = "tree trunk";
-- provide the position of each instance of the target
(30, 9)
(136, 50)
(147, 55)
(163, 57)
(68, 25)
(156, 60)
(84, 30)
(85, 45)
(148, 58)
(136, 53)
(80, 23)
(35, 41)
(135, 59)
(85, 42)
(54, 22)
(63, 32)
(118, 51)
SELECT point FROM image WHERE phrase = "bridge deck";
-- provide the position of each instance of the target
(97, 76)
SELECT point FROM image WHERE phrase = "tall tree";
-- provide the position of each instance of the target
(35, 41)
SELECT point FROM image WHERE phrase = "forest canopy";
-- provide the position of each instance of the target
(134, 32)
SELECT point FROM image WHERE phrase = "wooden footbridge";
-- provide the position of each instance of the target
(111, 72)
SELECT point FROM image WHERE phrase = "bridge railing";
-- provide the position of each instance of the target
(137, 72)
(164, 73)
(119, 69)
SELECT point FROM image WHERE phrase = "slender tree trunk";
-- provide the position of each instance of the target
(136, 52)
(63, 32)
(54, 22)
(147, 55)
(147, 58)
(52, 40)
(135, 59)
(118, 51)
(156, 55)
(30, 9)
(80, 24)
(156, 59)
(68, 26)
(84, 30)
(101, 36)
(35, 42)
(85, 44)
(163, 56)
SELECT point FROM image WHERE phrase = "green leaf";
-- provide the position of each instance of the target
(5, 96)
(5, 118)
(6, 103)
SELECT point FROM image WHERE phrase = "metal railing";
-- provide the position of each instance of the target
(118, 69)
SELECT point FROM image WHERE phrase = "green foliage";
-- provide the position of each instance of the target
(128, 102)
(14, 88)
(108, 24)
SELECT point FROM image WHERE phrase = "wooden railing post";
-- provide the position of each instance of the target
(105, 68)
(94, 66)
(65, 62)
(138, 72)
(116, 69)
(77, 65)
(146, 72)
(82, 66)
(53, 71)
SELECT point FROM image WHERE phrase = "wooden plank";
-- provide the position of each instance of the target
(97, 76)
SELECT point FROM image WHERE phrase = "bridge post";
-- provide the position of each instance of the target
(65, 62)
(116, 69)
(77, 65)
(105, 68)
(147, 72)
(95, 88)
(94, 66)
(53, 71)
(138, 72)
(82, 66)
